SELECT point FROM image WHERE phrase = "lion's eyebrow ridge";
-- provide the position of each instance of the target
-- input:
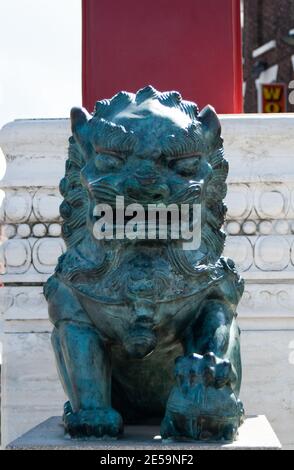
(183, 155)
(108, 151)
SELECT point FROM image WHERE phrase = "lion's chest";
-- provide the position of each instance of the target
(142, 289)
(167, 321)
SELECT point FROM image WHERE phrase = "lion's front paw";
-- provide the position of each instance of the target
(98, 422)
(202, 405)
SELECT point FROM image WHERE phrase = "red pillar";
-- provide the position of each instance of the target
(193, 46)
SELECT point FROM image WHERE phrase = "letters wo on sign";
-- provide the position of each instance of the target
(273, 98)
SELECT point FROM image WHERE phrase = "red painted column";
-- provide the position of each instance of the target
(193, 46)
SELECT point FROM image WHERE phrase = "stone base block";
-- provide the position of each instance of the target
(255, 434)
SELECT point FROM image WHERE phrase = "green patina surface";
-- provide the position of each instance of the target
(144, 330)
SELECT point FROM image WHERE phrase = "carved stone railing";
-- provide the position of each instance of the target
(260, 227)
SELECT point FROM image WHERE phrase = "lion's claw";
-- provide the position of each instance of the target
(97, 423)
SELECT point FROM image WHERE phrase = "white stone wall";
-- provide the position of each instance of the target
(260, 224)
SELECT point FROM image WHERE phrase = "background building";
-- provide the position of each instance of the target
(268, 46)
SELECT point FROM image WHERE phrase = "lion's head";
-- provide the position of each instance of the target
(149, 147)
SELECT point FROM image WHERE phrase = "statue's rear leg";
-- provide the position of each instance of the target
(84, 368)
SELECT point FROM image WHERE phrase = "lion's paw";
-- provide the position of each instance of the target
(202, 404)
(99, 422)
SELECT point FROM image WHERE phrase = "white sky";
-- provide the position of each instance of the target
(40, 58)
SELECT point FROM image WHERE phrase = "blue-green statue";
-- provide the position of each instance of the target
(144, 329)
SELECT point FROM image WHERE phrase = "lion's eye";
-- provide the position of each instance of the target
(185, 166)
(106, 162)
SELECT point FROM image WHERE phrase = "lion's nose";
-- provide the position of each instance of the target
(158, 193)
(146, 180)
(148, 193)
(148, 188)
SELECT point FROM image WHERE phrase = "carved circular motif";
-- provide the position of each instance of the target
(265, 227)
(17, 254)
(240, 250)
(233, 228)
(54, 230)
(17, 207)
(282, 227)
(46, 253)
(49, 207)
(9, 231)
(272, 253)
(272, 204)
(238, 201)
(39, 230)
(24, 230)
(265, 296)
(249, 227)
(46, 205)
(284, 299)
(30, 300)
(49, 252)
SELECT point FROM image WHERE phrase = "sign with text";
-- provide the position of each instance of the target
(274, 98)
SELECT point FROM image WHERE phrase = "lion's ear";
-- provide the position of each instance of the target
(210, 123)
(79, 118)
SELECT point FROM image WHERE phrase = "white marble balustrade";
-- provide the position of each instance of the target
(260, 227)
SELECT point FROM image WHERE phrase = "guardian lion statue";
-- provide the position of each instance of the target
(144, 330)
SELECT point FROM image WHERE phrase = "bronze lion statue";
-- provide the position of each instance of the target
(144, 330)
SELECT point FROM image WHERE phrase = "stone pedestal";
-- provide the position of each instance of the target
(255, 434)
